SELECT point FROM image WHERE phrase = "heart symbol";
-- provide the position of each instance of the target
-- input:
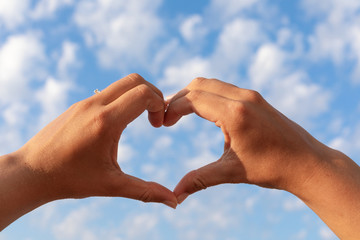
(76, 154)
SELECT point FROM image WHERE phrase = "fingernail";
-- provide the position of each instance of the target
(170, 204)
(182, 197)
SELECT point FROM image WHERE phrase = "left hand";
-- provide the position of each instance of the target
(76, 154)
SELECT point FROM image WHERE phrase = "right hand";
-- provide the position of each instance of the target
(262, 146)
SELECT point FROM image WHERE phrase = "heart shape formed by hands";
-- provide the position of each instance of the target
(76, 154)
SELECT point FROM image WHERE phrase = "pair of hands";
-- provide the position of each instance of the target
(75, 156)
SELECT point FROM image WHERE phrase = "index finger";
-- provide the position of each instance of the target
(214, 86)
(207, 105)
(118, 88)
(134, 102)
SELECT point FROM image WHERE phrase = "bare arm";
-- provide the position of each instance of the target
(265, 148)
(75, 156)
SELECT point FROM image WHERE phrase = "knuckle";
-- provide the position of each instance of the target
(197, 82)
(83, 105)
(144, 90)
(254, 96)
(136, 77)
(194, 95)
(147, 195)
(239, 116)
(239, 108)
(100, 121)
(198, 182)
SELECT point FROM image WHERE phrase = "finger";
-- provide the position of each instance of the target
(216, 87)
(210, 175)
(134, 102)
(118, 88)
(138, 189)
(207, 105)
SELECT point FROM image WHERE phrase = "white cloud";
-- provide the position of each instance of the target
(302, 234)
(122, 32)
(236, 42)
(47, 8)
(12, 114)
(26, 86)
(267, 66)
(177, 77)
(205, 215)
(231, 8)
(290, 90)
(337, 37)
(68, 59)
(161, 144)
(53, 99)
(11, 139)
(22, 63)
(53, 95)
(140, 226)
(201, 160)
(167, 54)
(337, 9)
(348, 141)
(45, 216)
(192, 28)
(154, 172)
(13, 13)
(75, 224)
(234, 45)
(250, 202)
(22, 59)
(125, 152)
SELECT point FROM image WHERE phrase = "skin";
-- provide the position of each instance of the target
(75, 156)
(265, 148)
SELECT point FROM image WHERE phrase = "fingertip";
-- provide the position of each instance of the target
(173, 205)
(156, 119)
(147, 191)
(181, 191)
(182, 197)
(170, 117)
(170, 122)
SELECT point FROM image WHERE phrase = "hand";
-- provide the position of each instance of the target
(76, 154)
(265, 148)
(262, 146)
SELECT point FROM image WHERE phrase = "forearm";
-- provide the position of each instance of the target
(333, 193)
(21, 189)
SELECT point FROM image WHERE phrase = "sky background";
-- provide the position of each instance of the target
(302, 56)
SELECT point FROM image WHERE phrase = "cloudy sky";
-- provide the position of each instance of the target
(303, 56)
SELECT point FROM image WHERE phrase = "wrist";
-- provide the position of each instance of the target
(21, 188)
(317, 171)
(332, 191)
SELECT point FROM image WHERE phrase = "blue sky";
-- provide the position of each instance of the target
(303, 56)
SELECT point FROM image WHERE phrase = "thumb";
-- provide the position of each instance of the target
(138, 189)
(196, 180)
